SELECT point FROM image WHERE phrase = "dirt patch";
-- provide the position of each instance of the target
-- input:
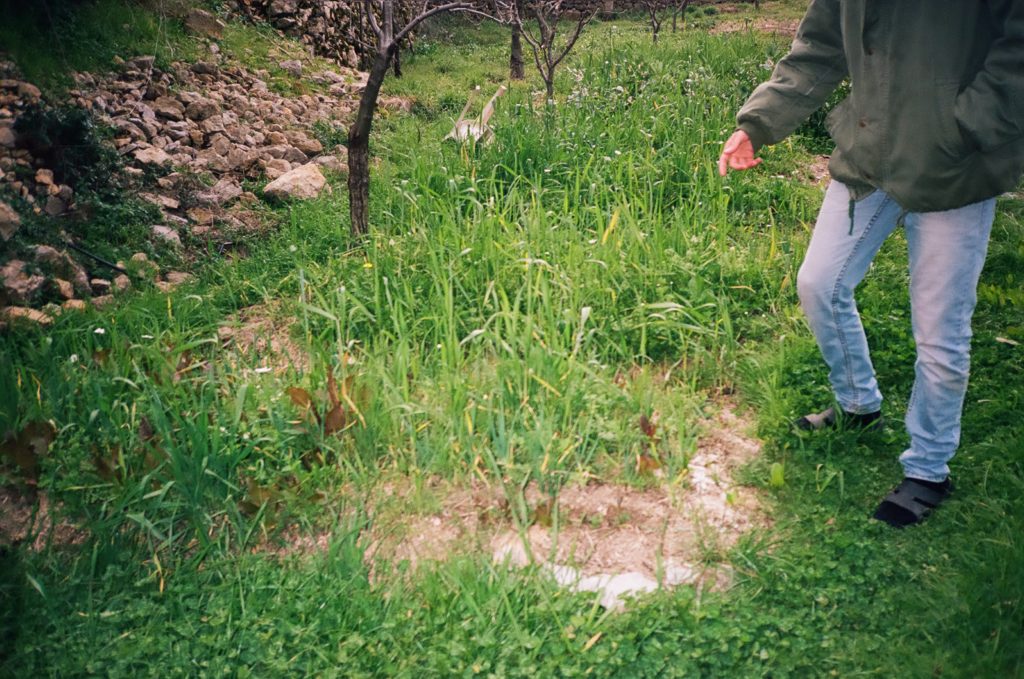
(262, 332)
(26, 514)
(677, 532)
(817, 170)
(785, 27)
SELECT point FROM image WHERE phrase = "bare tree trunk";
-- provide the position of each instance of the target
(516, 60)
(549, 84)
(655, 24)
(359, 144)
(397, 63)
(679, 9)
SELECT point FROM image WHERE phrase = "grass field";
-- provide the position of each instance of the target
(482, 333)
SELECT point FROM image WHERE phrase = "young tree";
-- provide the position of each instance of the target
(387, 42)
(654, 8)
(679, 8)
(515, 62)
(543, 42)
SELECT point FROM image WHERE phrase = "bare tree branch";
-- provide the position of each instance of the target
(372, 20)
(463, 7)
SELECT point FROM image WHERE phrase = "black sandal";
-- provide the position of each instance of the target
(830, 418)
(912, 501)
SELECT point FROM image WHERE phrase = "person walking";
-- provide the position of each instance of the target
(931, 132)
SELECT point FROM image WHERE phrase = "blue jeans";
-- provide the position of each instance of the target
(947, 251)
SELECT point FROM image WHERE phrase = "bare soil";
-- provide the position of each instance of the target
(676, 531)
(26, 514)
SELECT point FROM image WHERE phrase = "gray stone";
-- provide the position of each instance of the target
(10, 222)
(55, 206)
(20, 286)
(203, 23)
(62, 265)
(304, 143)
(100, 286)
(143, 63)
(221, 193)
(279, 8)
(332, 163)
(169, 108)
(205, 68)
(167, 234)
(7, 137)
(292, 67)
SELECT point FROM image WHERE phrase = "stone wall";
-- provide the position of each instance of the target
(330, 28)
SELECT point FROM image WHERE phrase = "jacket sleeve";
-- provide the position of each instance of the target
(802, 80)
(990, 111)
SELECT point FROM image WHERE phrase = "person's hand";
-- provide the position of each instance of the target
(738, 154)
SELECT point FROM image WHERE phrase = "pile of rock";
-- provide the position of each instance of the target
(331, 28)
(49, 281)
(193, 120)
(215, 119)
(19, 172)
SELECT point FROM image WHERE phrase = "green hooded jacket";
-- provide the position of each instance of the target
(935, 115)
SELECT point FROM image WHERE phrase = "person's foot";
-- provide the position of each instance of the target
(839, 419)
(912, 501)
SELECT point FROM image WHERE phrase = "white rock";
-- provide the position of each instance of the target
(167, 234)
(614, 589)
(306, 181)
(152, 156)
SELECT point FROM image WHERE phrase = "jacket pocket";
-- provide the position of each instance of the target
(951, 140)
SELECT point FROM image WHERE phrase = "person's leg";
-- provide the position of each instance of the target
(846, 238)
(947, 251)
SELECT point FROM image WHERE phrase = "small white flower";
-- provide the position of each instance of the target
(100, 331)
(292, 248)
(147, 336)
(73, 358)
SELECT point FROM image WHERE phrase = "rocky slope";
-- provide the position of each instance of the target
(188, 136)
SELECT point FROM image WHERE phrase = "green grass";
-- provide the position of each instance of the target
(460, 322)
(50, 39)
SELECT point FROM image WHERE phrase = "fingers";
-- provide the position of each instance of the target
(728, 152)
(737, 154)
(723, 163)
(741, 163)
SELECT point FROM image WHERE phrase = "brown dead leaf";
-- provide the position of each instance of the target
(332, 390)
(649, 427)
(647, 464)
(336, 419)
(28, 446)
(300, 397)
(108, 466)
(146, 431)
